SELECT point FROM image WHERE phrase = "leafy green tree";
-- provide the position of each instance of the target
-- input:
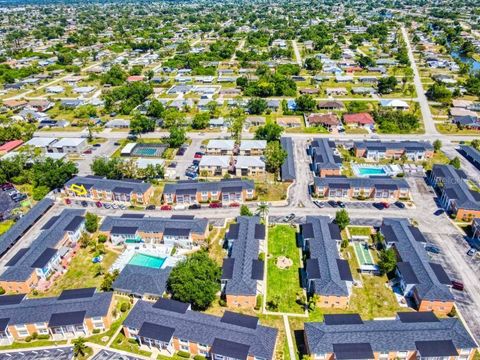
(51, 173)
(177, 137)
(365, 61)
(85, 111)
(439, 92)
(437, 145)
(455, 162)
(142, 124)
(40, 192)
(342, 219)
(269, 132)
(387, 84)
(475, 143)
(173, 117)
(195, 280)
(201, 120)
(79, 347)
(108, 280)
(236, 120)
(263, 210)
(306, 103)
(115, 76)
(257, 106)
(313, 64)
(155, 109)
(91, 222)
(387, 260)
(245, 211)
(275, 156)
(107, 167)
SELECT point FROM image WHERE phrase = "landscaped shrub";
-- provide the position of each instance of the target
(199, 357)
(28, 338)
(259, 302)
(43, 337)
(2, 290)
(96, 331)
(131, 341)
(34, 335)
(183, 354)
(124, 307)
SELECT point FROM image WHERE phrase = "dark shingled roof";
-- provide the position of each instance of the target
(244, 272)
(23, 224)
(203, 328)
(388, 335)
(327, 275)
(436, 348)
(156, 332)
(288, 167)
(379, 183)
(67, 318)
(141, 280)
(230, 349)
(321, 151)
(193, 186)
(348, 351)
(117, 186)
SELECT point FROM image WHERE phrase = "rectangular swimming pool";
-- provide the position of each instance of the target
(147, 261)
(371, 171)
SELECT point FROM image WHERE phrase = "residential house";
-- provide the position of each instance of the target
(10, 146)
(255, 121)
(326, 275)
(411, 335)
(394, 104)
(97, 188)
(41, 105)
(290, 121)
(471, 154)
(454, 193)
(249, 166)
(328, 121)
(340, 91)
(182, 231)
(220, 147)
(212, 165)
(242, 271)
(48, 253)
(118, 124)
(330, 105)
(194, 192)
(424, 282)
(358, 120)
(377, 150)
(325, 159)
(375, 188)
(287, 171)
(252, 147)
(69, 145)
(75, 313)
(15, 105)
(171, 326)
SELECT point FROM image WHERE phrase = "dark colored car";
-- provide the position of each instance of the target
(215, 205)
(84, 203)
(399, 204)
(181, 151)
(196, 162)
(97, 145)
(332, 203)
(432, 248)
(439, 212)
(194, 207)
(150, 207)
(68, 201)
(379, 206)
(341, 204)
(457, 285)
(7, 186)
(98, 204)
(166, 207)
(87, 151)
(116, 143)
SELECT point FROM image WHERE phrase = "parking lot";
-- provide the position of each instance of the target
(185, 160)
(62, 353)
(112, 355)
(7, 203)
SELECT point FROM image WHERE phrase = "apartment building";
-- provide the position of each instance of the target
(74, 313)
(377, 150)
(374, 188)
(178, 230)
(171, 326)
(215, 165)
(411, 335)
(220, 147)
(47, 254)
(194, 192)
(101, 189)
(325, 160)
(249, 166)
(252, 147)
(420, 279)
(327, 275)
(242, 271)
(454, 193)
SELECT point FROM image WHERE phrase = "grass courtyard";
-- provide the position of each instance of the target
(283, 285)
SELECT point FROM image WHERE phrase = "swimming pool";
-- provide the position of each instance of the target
(147, 261)
(371, 171)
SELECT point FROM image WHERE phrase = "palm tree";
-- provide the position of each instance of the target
(79, 347)
(262, 210)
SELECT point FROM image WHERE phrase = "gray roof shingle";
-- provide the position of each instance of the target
(288, 166)
(141, 280)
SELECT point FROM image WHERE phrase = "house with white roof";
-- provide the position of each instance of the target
(41, 142)
(220, 147)
(394, 104)
(249, 166)
(69, 145)
(214, 165)
(252, 147)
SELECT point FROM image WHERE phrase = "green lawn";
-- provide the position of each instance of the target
(5, 225)
(122, 343)
(359, 230)
(283, 284)
(81, 272)
(271, 191)
(31, 344)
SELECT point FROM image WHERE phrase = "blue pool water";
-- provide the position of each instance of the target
(147, 261)
(371, 171)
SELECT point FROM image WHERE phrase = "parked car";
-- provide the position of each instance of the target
(84, 203)
(98, 204)
(320, 204)
(106, 206)
(289, 217)
(198, 155)
(6, 186)
(166, 207)
(150, 207)
(89, 151)
(457, 285)
(471, 251)
(194, 207)
(181, 151)
(332, 203)
(341, 204)
(215, 205)
(114, 206)
(122, 206)
(385, 204)
(432, 248)
(179, 207)
(97, 145)
(196, 162)
(379, 205)
(399, 204)
(116, 143)
(68, 201)
(438, 212)
(234, 204)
